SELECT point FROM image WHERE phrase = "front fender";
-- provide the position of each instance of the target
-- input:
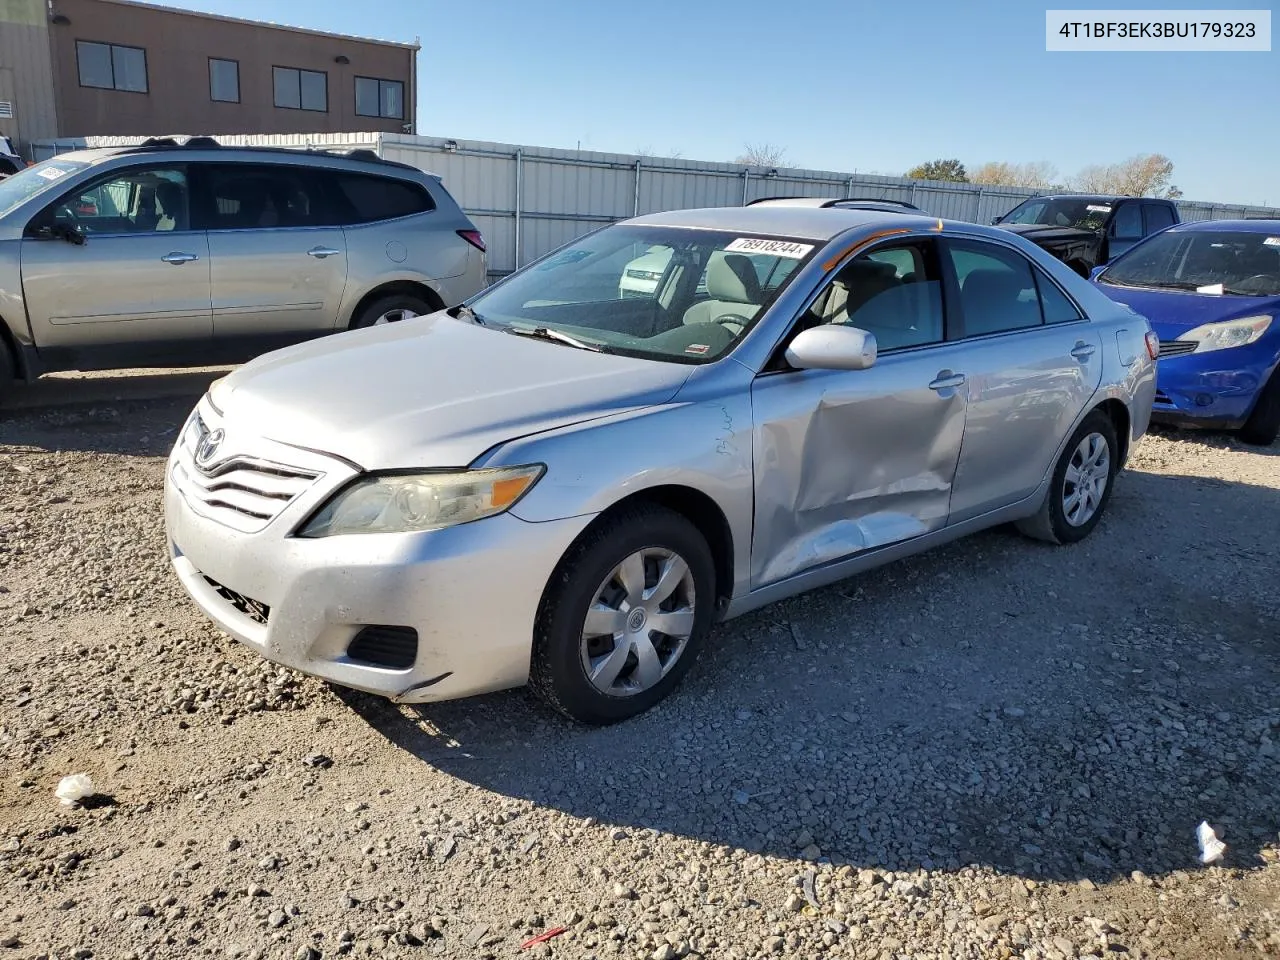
(703, 445)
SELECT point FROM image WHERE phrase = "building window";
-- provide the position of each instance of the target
(301, 89)
(379, 98)
(224, 80)
(109, 66)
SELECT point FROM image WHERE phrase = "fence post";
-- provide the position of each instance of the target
(519, 188)
(913, 193)
(848, 187)
(977, 212)
(746, 177)
(635, 204)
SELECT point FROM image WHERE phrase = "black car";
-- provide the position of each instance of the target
(1085, 230)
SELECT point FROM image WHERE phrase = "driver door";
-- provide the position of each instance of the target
(140, 277)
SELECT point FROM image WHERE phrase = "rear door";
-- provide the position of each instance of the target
(1030, 363)
(279, 258)
(1157, 216)
(140, 277)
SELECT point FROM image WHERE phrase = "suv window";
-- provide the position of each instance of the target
(997, 289)
(1127, 224)
(893, 292)
(247, 196)
(363, 198)
(1159, 216)
(138, 200)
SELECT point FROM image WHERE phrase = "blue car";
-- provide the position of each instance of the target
(1211, 291)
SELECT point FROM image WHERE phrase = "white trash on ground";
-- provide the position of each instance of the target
(71, 790)
(1211, 848)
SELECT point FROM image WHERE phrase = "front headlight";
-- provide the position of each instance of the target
(1228, 333)
(411, 502)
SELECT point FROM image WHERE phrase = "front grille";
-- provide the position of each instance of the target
(395, 648)
(1176, 348)
(244, 493)
(255, 610)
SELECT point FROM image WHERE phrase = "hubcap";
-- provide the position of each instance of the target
(395, 316)
(639, 622)
(1086, 479)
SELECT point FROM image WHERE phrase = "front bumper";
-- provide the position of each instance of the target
(1218, 388)
(471, 592)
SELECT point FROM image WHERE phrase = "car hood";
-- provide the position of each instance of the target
(1172, 313)
(1045, 235)
(431, 392)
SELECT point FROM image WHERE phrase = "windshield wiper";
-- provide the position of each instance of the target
(463, 312)
(555, 336)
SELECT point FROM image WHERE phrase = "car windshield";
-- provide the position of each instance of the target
(1082, 212)
(25, 184)
(1239, 263)
(666, 293)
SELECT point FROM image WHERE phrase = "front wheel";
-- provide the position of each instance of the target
(391, 309)
(624, 616)
(1081, 485)
(1263, 426)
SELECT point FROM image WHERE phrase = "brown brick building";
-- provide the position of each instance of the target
(76, 68)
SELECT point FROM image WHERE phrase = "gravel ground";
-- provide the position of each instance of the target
(998, 749)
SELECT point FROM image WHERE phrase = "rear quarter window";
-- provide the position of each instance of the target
(368, 199)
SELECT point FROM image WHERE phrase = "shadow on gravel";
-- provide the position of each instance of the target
(1060, 713)
(1213, 438)
(144, 428)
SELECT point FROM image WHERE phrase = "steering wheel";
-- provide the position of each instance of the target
(731, 320)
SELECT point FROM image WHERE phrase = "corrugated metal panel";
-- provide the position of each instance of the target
(26, 72)
(566, 193)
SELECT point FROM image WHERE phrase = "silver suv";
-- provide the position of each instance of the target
(169, 254)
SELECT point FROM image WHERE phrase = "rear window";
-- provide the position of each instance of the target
(369, 199)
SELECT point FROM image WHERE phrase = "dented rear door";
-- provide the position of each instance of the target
(847, 461)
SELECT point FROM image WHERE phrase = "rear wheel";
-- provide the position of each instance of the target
(8, 369)
(1081, 485)
(392, 309)
(624, 616)
(1263, 426)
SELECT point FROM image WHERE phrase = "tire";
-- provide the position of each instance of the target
(1054, 522)
(8, 369)
(1263, 425)
(588, 577)
(384, 309)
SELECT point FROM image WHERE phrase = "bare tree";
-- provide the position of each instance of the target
(762, 155)
(1144, 175)
(672, 154)
(1037, 174)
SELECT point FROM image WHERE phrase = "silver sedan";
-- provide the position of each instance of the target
(560, 485)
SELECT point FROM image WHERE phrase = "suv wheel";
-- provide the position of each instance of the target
(8, 369)
(391, 309)
(624, 616)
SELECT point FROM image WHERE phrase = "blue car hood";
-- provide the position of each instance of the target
(1174, 312)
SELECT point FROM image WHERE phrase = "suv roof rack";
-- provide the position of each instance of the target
(826, 204)
(359, 154)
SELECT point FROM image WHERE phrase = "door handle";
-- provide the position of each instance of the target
(946, 380)
(179, 258)
(321, 252)
(1083, 350)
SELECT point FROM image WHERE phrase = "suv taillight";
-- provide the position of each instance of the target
(1153, 344)
(474, 238)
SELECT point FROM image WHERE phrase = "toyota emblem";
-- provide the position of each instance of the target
(209, 444)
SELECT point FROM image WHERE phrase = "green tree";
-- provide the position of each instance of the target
(950, 170)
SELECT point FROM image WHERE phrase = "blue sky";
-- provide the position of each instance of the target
(842, 85)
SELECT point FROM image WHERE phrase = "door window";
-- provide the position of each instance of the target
(367, 199)
(893, 292)
(1159, 216)
(997, 290)
(148, 200)
(1127, 224)
(263, 197)
(1056, 305)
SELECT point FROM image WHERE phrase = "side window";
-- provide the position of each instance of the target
(997, 290)
(367, 199)
(249, 197)
(1159, 216)
(1127, 224)
(1057, 307)
(149, 200)
(893, 292)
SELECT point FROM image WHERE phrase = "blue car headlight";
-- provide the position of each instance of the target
(1227, 333)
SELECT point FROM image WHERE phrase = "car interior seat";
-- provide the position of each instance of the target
(993, 301)
(734, 291)
(172, 209)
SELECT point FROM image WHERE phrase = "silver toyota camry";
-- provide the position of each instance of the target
(669, 422)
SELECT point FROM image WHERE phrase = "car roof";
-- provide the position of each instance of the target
(1098, 197)
(210, 149)
(781, 220)
(1259, 225)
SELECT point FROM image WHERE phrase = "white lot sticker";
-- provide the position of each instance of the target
(1098, 208)
(51, 173)
(774, 248)
(1211, 288)
(1272, 241)
(697, 348)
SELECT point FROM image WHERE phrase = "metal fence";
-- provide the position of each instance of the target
(529, 200)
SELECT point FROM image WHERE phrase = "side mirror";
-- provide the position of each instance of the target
(994, 221)
(59, 231)
(832, 347)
